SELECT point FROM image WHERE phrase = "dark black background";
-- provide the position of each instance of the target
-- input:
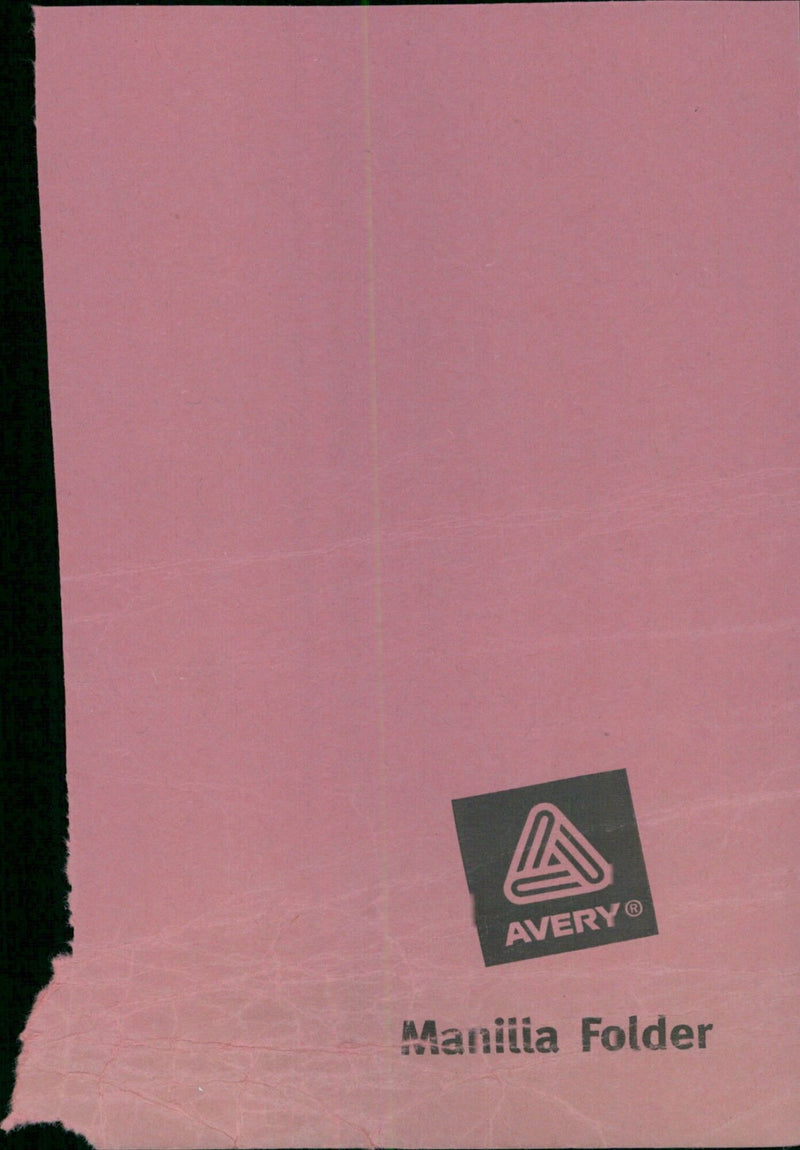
(34, 917)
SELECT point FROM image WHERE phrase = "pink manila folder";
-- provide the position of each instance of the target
(424, 389)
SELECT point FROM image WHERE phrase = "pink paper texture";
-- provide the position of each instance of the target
(424, 390)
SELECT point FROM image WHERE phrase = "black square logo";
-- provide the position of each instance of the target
(556, 866)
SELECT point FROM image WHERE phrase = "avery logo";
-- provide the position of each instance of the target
(590, 918)
(555, 846)
(553, 857)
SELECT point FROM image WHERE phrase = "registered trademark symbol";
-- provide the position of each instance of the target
(633, 908)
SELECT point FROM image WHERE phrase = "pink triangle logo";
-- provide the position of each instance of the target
(554, 860)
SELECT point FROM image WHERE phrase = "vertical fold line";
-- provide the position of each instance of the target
(374, 432)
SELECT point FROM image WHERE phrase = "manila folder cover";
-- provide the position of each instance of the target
(424, 386)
